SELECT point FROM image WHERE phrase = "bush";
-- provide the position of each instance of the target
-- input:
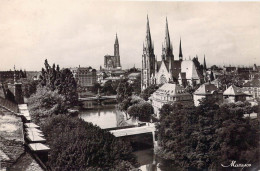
(78, 145)
(45, 103)
(143, 110)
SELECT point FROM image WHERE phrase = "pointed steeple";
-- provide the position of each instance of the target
(204, 64)
(148, 39)
(180, 52)
(167, 36)
(116, 41)
(116, 53)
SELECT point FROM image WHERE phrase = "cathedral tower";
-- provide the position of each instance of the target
(180, 52)
(116, 53)
(148, 60)
(167, 54)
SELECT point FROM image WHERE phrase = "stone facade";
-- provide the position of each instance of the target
(113, 62)
(169, 94)
(234, 94)
(207, 91)
(168, 69)
(85, 76)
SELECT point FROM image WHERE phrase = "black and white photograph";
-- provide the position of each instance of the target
(129, 85)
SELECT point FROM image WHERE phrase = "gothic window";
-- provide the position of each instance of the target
(163, 79)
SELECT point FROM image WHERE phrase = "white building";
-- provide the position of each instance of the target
(168, 94)
(234, 94)
(207, 91)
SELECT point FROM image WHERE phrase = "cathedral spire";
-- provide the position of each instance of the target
(148, 38)
(204, 64)
(167, 36)
(116, 41)
(180, 52)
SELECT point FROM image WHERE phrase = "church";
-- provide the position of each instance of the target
(183, 72)
(113, 62)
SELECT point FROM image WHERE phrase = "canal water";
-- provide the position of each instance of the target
(106, 118)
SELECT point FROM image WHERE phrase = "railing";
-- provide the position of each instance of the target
(9, 105)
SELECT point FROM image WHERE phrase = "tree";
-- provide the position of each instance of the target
(29, 86)
(61, 80)
(108, 89)
(143, 110)
(203, 137)
(124, 90)
(78, 145)
(95, 88)
(45, 103)
(137, 85)
(148, 91)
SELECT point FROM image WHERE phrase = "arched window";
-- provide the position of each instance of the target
(163, 79)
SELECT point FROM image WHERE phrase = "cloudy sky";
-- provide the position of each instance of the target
(72, 33)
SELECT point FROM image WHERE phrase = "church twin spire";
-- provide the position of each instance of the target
(167, 50)
(148, 38)
(167, 37)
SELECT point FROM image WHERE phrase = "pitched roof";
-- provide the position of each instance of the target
(170, 89)
(189, 68)
(253, 83)
(206, 88)
(233, 91)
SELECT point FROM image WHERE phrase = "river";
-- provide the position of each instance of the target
(106, 118)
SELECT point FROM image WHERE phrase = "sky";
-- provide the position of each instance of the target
(73, 33)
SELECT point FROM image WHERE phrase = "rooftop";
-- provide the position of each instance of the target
(11, 138)
(233, 91)
(206, 88)
(171, 89)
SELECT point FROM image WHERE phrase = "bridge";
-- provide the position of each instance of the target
(148, 128)
(88, 101)
(95, 98)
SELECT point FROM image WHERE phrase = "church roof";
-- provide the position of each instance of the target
(171, 89)
(206, 88)
(233, 91)
(189, 68)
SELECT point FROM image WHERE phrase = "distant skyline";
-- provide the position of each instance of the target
(73, 33)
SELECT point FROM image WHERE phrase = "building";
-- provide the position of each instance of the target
(13, 154)
(9, 75)
(85, 76)
(113, 62)
(208, 91)
(252, 87)
(234, 94)
(168, 94)
(168, 69)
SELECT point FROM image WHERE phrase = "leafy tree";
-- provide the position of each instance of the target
(60, 80)
(203, 137)
(143, 110)
(78, 145)
(124, 90)
(45, 103)
(137, 85)
(148, 91)
(108, 89)
(29, 86)
(95, 88)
